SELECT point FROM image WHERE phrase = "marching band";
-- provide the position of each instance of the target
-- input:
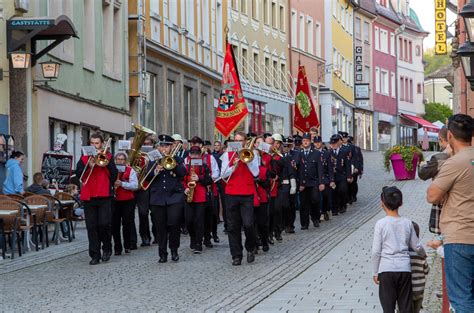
(259, 182)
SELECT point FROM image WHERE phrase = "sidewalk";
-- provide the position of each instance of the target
(342, 280)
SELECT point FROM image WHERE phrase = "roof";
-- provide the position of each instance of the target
(445, 72)
(387, 12)
(422, 122)
(368, 5)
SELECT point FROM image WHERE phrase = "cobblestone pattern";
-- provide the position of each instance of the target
(197, 283)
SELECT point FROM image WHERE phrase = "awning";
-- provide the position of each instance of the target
(28, 29)
(422, 122)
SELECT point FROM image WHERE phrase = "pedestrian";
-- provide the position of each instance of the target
(13, 183)
(393, 237)
(419, 270)
(453, 187)
(342, 174)
(37, 186)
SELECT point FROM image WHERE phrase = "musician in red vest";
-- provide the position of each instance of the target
(124, 204)
(96, 194)
(197, 172)
(240, 190)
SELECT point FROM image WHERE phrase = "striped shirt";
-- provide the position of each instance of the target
(419, 270)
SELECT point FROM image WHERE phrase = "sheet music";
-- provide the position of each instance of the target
(154, 155)
(124, 144)
(89, 150)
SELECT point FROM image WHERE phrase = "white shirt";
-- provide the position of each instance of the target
(227, 169)
(132, 183)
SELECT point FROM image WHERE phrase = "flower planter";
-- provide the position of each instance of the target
(398, 165)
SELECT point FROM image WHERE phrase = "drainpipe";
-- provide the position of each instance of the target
(291, 64)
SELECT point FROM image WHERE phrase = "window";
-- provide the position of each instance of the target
(400, 43)
(393, 81)
(282, 18)
(88, 35)
(265, 12)
(244, 62)
(418, 88)
(255, 67)
(170, 105)
(411, 90)
(350, 23)
(402, 89)
(205, 22)
(410, 52)
(267, 71)
(366, 31)
(302, 27)
(318, 39)
(357, 28)
(294, 29)
(384, 40)
(384, 83)
(203, 117)
(334, 8)
(187, 96)
(243, 6)
(117, 38)
(309, 27)
(254, 9)
(148, 111)
(392, 44)
(366, 77)
(189, 16)
(377, 80)
(274, 15)
(55, 8)
(407, 90)
(220, 44)
(107, 37)
(405, 50)
(283, 75)
(334, 59)
(275, 74)
(235, 4)
(377, 38)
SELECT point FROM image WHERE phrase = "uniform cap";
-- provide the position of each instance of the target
(165, 139)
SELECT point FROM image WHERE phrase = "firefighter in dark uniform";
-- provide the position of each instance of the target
(311, 183)
(358, 169)
(328, 177)
(288, 187)
(342, 175)
(166, 201)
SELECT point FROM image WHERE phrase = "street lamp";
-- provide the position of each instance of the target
(50, 69)
(466, 52)
(20, 59)
(467, 13)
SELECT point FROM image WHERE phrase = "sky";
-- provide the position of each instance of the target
(425, 11)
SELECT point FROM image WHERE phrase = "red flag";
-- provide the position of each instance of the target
(305, 113)
(232, 108)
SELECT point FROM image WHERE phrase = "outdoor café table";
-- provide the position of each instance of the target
(8, 212)
(33, 209)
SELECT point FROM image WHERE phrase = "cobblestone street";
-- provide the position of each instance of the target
(325, 269)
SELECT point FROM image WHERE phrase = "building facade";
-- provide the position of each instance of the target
(337, 97)
(307, 45)
(259, 34)
(438, 87)
(183, 45)
(364, 16)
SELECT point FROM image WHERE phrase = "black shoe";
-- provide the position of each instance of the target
(265, 248)
(127, 251)
(304, 227)
(94, 262)
(236, 261)
(258, 242)
(255, 251)
(192, 246)
(208, 243)
(326, 216)
(197, 249)
(133, 246)
(335, 214)
(184, 231)
(354, 199)
(118, 252)
(250, 257)
(316, 223)
(291, 231)
(226, 231)
(106, 256)
(145, 242)
(216, 239)
(155, 242)
(174, 256)
(163, 259)
(278, 237)
(270, 240)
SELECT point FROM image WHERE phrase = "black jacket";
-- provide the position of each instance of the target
(342, 164)
(311, 168)
(167, 188)
(328, 167)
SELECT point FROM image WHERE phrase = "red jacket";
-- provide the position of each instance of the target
(262, 191)
(98, 185)
(122, 194)
(241, 182)
(200, 190)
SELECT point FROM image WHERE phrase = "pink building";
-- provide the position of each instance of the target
(307, 44)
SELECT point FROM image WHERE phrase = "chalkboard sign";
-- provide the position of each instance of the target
(57, 167)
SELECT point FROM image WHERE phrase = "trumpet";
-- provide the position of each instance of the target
(100, 159)
(168, 162)
(191, 185)
(246, 155)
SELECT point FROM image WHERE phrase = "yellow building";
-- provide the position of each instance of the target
(176, 50)
(337, 97)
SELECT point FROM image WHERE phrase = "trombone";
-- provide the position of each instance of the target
(100, 159)
(168, 162)
(246, 155)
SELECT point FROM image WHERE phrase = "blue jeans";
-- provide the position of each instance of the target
(459, 267)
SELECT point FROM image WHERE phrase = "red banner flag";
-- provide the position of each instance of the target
(305, 115)
(232, 108)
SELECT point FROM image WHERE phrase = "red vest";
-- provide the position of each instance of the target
(241, 182)
(98, 185)
(262, 192)
(200, 191)
(122, 194)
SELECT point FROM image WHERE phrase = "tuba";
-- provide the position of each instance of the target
(191, 185)
(139, 160)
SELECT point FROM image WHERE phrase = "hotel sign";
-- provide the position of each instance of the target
(440, 27)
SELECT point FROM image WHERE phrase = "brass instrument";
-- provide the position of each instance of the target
(191, 185)
(275, 151)
(139, 160)
(246, 155)
(100, 159)
(168, 162)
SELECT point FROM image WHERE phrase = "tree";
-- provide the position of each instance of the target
(435, 62)
(437, 112)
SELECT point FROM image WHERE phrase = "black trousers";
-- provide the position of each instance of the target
(340, 195)
(167, 219)
(221, 189)
(194, 217)
(210, 223)
(326, 204)
(289, 215)
(240, 214)
(395, 288)
(353, 188)
(98, 224)
(309, 205)
(261, 222)
(143, 204)
(282, 206)
(272, 215)
(122, 215)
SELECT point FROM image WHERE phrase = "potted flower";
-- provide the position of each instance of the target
(403, 160)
